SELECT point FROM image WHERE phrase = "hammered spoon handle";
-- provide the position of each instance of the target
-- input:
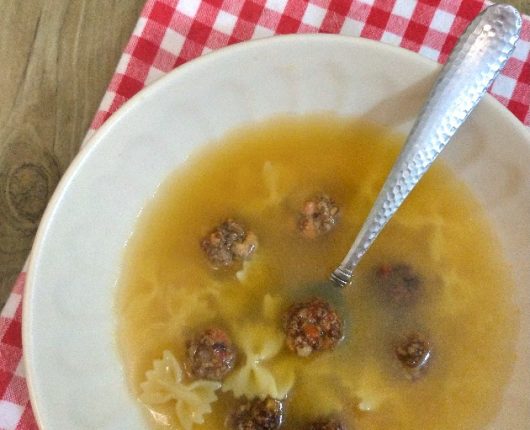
(479, 56)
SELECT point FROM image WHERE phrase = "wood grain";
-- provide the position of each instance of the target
(57, 59)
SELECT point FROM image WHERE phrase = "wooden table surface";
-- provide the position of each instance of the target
(57, 59)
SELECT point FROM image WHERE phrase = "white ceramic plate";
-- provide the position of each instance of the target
(75, 375)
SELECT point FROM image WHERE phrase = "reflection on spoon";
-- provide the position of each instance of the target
(477, 59)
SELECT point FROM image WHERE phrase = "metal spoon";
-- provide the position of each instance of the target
(477, 59)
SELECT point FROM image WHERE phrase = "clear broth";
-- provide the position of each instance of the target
(261, 175)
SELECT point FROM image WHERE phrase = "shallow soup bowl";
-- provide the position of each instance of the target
(74, 370)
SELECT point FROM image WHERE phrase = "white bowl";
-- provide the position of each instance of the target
(74, 371)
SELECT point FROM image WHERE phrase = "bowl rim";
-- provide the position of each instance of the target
(94, 141)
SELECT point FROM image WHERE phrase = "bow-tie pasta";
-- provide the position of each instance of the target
(164, 384)
(254, 378)
(260, 344)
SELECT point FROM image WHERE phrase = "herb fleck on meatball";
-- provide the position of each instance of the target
(399, 283)
(229, 242)
(318, 216)
(312, 326)
(210, 355)
(257, 414)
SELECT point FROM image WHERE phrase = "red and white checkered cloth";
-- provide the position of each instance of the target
(171, 32)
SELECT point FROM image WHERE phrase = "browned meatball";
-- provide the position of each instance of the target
(413, 353)
(318, 216)
(398, 283)
(312, 326)
(229, 242)
(257, 414)
(326, 424)
(210, 355)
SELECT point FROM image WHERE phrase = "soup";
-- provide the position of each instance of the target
(227, 318)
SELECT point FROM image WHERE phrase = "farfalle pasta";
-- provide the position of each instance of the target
(259, 344)
(164, 383)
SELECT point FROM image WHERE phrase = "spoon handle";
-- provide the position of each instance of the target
(477, 59)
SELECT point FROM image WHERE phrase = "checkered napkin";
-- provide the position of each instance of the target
(171, 32)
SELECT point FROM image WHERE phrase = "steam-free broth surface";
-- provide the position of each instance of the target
(261, 176)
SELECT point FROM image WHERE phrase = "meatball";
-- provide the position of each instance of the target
(413, 353)
(318, 216)
(312, 326)
(399, 283)
(257, 414)
(210, 355)
(229, 242)
(326, 424)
